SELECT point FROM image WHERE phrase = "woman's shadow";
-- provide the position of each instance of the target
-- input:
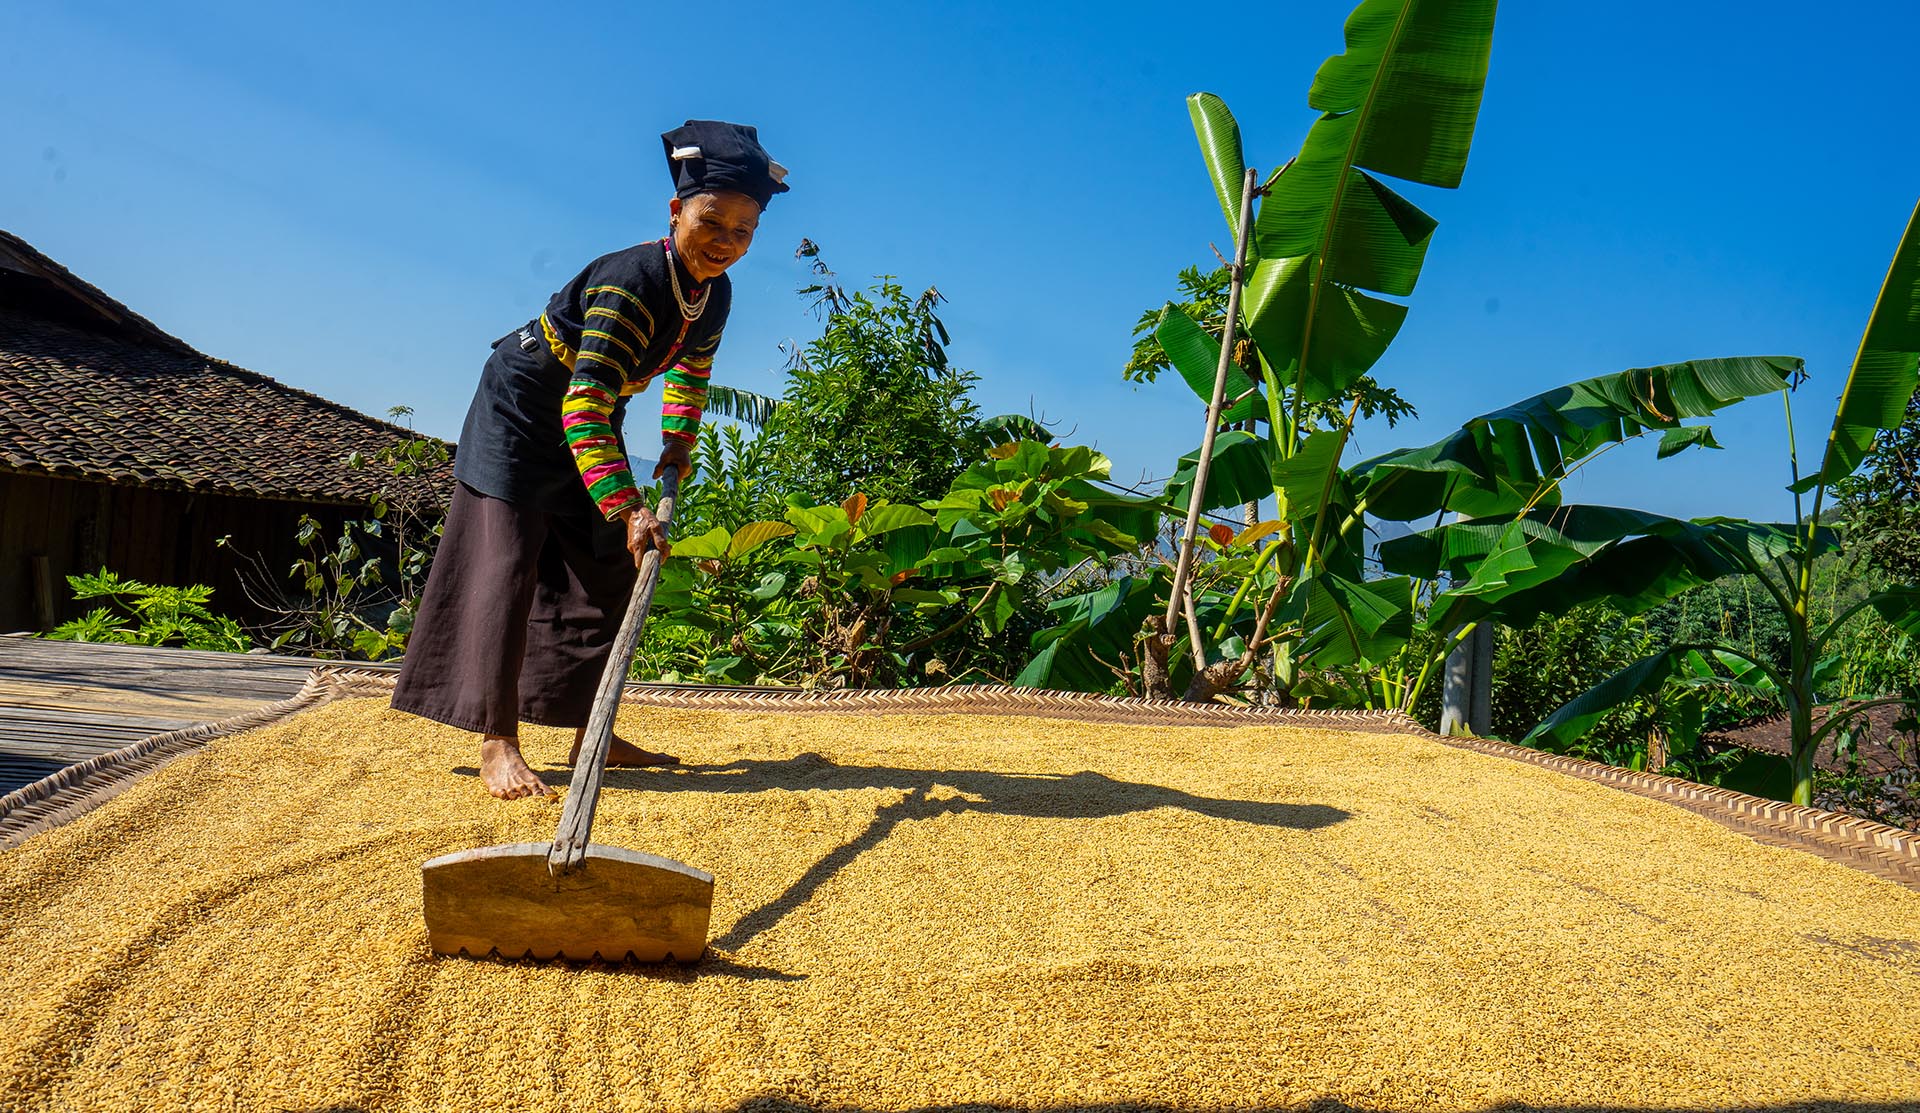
(1083, 795)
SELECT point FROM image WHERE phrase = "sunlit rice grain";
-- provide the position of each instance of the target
(918, 911)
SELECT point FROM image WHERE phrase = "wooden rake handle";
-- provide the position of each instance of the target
(583, 791)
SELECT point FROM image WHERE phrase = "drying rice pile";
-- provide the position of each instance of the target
(995, 913)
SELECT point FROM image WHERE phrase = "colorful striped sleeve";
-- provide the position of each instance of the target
(616, 330)
(586, 416)
(684, 398)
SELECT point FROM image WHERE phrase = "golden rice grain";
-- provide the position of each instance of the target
(951, 910)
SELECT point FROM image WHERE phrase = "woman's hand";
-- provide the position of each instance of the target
(674, 452)
(644, 532)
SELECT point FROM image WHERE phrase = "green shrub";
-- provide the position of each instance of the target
(135, 613)
(1540, 667)
(355, 594)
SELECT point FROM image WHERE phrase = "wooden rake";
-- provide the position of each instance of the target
(575, 899)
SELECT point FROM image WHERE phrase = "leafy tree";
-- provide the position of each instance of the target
(872, 405)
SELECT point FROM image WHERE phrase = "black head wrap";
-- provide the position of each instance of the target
(711, 154)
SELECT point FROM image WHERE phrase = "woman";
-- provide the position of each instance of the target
(547, 524)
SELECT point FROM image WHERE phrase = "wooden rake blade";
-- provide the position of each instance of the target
(616, 904)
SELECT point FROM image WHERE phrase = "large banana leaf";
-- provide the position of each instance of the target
(1417, 69)
(1503, 461)
(1325, 336)
(1241, 472)
(1402, 100)
(1635, 574)
(1312, 477)
(1348, 620)
(1219, 135)
(1196, 355)
(1472, 550)
(1549, 562)
(1095, 629)
(1578, 715)
(1111, 522)
(1884, 370)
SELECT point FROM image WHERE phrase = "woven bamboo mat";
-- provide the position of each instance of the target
(1873, 848)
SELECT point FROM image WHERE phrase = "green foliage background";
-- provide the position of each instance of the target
(872, 404)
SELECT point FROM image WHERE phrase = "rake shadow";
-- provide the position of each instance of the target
(1082, 795)
(710, 966)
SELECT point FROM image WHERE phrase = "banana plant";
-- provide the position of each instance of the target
(1330, 243)
(1508, 467)
(1330, 239)
(1518, 566)
(1505, 468)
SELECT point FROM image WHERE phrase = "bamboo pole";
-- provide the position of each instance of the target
(1184, 566)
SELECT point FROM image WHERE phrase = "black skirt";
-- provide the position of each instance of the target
(518, 617)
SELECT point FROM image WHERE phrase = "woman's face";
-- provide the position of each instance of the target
(712, 230)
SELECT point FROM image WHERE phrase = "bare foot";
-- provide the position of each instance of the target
(622, 752)
(505, 771)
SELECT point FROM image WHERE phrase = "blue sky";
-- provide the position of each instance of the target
(357, 199)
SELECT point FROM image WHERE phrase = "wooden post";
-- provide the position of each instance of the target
(1467, 695)
(42, 593)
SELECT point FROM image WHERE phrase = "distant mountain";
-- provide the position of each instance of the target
(1379, 531)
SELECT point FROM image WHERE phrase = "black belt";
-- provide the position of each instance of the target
(527, 338)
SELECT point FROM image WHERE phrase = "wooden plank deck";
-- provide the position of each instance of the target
(64, 702)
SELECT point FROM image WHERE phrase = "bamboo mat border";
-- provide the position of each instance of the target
(72, 792)
(1874, 848)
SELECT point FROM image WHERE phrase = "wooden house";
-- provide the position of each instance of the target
(122, 447)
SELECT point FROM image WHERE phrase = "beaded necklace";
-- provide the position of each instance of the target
(688, 312)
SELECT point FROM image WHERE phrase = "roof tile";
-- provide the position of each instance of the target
(76, 403)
